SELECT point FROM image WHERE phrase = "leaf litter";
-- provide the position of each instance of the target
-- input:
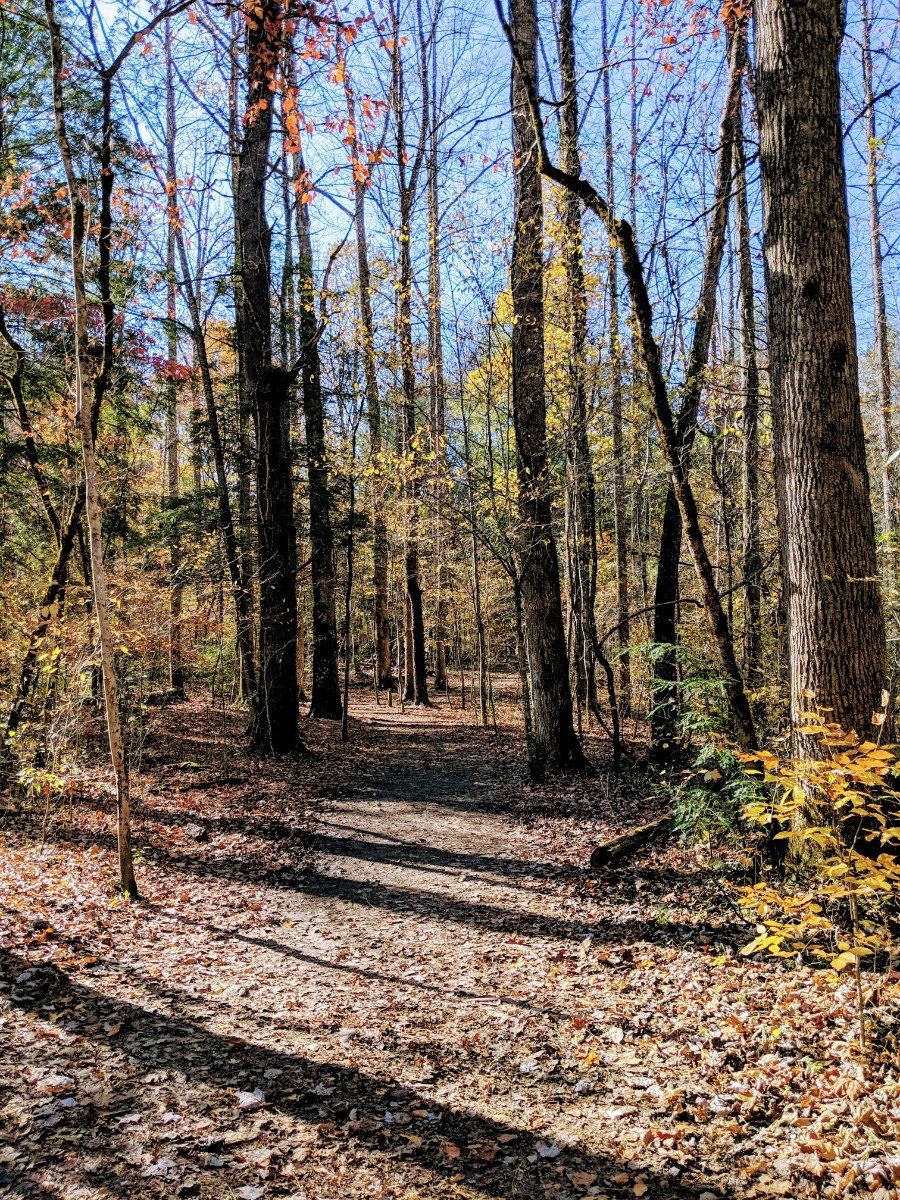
(360, 974)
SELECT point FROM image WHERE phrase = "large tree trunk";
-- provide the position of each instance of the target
(556, 744)
(835, 620)
(267, 391)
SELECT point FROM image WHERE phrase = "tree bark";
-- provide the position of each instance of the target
(267, 390)
(836, 626)
(556, 744)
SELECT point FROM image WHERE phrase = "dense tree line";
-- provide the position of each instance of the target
(326, 354)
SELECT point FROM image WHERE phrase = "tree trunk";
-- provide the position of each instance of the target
(836, 626)
(524, 681)
(267, 391)
(556, 744)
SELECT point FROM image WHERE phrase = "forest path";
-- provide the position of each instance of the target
(362, 973)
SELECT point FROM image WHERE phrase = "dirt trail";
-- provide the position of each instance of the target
(436, 1007)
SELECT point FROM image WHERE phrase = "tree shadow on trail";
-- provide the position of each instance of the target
(420, 857)
(346, 1105)
(442, 907)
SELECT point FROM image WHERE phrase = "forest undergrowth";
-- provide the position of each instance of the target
(384, 970)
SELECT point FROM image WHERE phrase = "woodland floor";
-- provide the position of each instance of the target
(383, 971)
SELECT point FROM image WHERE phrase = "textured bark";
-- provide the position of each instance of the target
(882, 346)
(267, 390)
(556, 744)
(382, 628)
(610, 854)
(665, 617)
(752, 563)
(836, 626)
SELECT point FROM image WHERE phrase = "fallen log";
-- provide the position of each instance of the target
(609, 854)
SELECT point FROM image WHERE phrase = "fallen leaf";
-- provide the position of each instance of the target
(547, 1149)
